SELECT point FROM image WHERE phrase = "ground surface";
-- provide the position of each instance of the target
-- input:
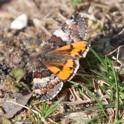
(95, 95)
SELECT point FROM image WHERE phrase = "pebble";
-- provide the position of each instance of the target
(20, 22)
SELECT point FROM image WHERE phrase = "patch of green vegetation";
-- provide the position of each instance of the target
(17, 73)
(110, 87)
(76, 2)
(44, 110)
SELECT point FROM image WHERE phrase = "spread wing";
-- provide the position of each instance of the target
(64, 61)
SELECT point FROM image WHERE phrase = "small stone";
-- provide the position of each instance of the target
(37, 22)
(20, 22)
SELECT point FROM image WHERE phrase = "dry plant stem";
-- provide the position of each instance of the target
(109, 110)
(51, 121)
(62, 17)
(75, 95)
(86, 97)
(112, 52)
(5, 14)
(78, 114)
(117, 60)
(45, 31)
(79, 102)
(117, 57)
(101, 6)
(90, 17)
